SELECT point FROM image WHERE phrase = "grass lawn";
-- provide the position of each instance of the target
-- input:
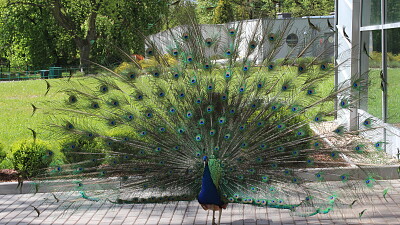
(16, 109)
(17, 97)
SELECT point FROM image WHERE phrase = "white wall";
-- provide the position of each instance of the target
(254, 30)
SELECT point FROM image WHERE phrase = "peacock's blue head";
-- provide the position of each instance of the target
(205, 160)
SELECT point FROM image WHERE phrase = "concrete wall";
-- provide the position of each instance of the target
(256, 30)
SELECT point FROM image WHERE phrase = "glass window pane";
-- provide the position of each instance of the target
(371, 62)
(393, 11)
(371, 12)
(393, 75)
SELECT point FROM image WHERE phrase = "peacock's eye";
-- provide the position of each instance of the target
(185, 36)
(149, 51)
(103, 89)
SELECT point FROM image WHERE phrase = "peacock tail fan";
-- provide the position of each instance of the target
(230, 92)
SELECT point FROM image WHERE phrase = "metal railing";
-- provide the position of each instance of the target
(18, 73)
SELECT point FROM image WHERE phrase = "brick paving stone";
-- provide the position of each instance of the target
(164, 221)
(152, 221)
(16, 209)
(174, 223)
(188, 220)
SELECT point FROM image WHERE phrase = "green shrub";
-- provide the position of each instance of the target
(375, 64)
(152, 61)
(73, 149)
(6, 164)
(394, 64)
(123, 135)
(29, 157)
(4, 161)
(305, 60)
(125, 66)
(3, 154)
(376, 60)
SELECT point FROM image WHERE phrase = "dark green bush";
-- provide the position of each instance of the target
(29, 157)
(3, 154)
(122, 137)
(82, 149)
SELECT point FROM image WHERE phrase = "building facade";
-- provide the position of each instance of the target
(368, 32)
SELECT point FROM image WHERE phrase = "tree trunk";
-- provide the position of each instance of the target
(83, 43)
(84, 52)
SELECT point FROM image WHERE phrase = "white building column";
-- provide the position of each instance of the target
(347, 40)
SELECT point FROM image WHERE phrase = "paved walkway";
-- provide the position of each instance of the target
(19, 209)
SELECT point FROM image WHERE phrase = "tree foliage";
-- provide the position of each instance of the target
(252, 9)
(223, 12)
(41, 32)
(30, 37)
(300, 8)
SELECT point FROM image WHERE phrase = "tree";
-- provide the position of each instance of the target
(205, 10)
(124, 25)
(223, 12)
(94, 24)
(253, 9)
(300, 8)
(177, 14)
(29, 37)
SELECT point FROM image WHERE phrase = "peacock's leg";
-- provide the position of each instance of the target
(213, 219)
(219, 217)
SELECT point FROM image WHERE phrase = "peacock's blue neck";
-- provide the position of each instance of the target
(209, 193)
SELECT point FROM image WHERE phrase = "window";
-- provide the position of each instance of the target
(393, 75)
(393, 9)
(292, 40)
(380, 57)
(371, 13)
(371, 62)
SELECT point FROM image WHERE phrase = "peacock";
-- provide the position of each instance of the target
(223, 114)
